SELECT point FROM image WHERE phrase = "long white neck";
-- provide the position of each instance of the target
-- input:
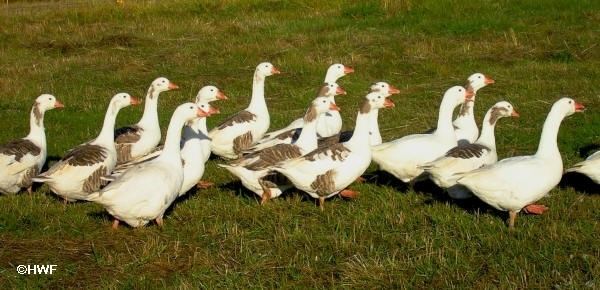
(374, 134)
(37, 132)
(444, 125)
(172, 151)
(360, 137)
(466, 110)
(257, 103)
(487, 137)
(307, 141)
(150, 116)
(330, 77)
(548, 146)
(107, 134)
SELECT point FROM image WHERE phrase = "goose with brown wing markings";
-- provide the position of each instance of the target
(80, 171)
(253, 168)
(240, 131)
(327, 171)
(22, 159)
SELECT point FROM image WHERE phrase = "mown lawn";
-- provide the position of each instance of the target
(84, 52)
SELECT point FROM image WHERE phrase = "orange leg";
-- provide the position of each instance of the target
(512, 216)
(115, 224)
(347, 193)
(360, 179)
(203, 184)
(159, 221)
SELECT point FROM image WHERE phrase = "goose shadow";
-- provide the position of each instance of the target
(587, 150)
(579, 182)
(100, 216)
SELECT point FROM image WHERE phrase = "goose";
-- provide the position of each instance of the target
(329, 123)
(252, 168)
(515, 183)
(590, 167)
(290, 136)
(327, 171)
(140, 139)
(79, 172)
(469, 156)
(144, 192)
(465, 126)
(242, 130)
(374, 135)
(403, 156)
(22, 159)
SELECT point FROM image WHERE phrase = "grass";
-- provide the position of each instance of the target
(84, 52)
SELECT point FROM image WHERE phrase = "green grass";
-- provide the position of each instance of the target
(84, 52)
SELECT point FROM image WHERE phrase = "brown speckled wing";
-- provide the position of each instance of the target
(128, 134)
(94, 181)
(29, 174)
(273, 155)
(240, 117)
(242, 142)
(20, 148)
(85, 155)
(466, 151)
(324, 183)
(336, 152)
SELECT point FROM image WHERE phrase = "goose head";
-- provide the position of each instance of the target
(568, 106)
(336, 71)
(190, 111)
(122, 100)
(375, 101)
(384, 88)
(478, 80)
(208, 108)
(47, 102)
(318, 106)
(501, 110)
(266, 69)
(210, 94)
(330, 90)
(162, 84)
(457, 95)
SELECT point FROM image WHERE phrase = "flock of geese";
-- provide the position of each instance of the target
(136, 180)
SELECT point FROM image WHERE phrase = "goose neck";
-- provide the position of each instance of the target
(360, 137)
(548, 141)
(444, 125)
(307, 140)
(374, 133)
(36, 126)
(257, 103)
(172, 149)
(107, 134)
(150, 115)
(487, 137)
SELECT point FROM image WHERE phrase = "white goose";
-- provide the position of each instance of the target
(240, 131)
(22, 159)
(328, 123)
(288, 137)
(469, 156)
(515, 183)
(403, 156)
(144, 192)
(465, 126)
(327, 171)
(140, 139)
(374, 135)
(589, 167)
(252, 168)
(79, 172)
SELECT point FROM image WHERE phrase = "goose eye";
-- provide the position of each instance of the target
(324, 101)
(570, 102)
(382, 86)
(212, 90)
(50, 99)
(163, 81)
(340, 66)
(479, 76)
(460, 90)
(191, 107)
(124, 97)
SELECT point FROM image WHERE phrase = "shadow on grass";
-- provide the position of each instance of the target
(587, 150)
(579, 182)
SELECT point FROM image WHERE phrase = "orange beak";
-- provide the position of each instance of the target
(333, 107)
(202, 114)
(173, 86)
(275, 71)
(340, 91)
(488, 81)
(221, 96)
(58, 105)
(348, 70)
(388, 103)
(579, 107)
(394, 90)
(213, 110)
(515, 113)
(135, 101)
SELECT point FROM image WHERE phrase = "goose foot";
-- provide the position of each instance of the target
(536, 209)
(29, 190)
(322, 203)
(203, 184)
(360, 179)
(347, 193)
(115, 224)
(512, 216)
(265, 196)
(159, 221)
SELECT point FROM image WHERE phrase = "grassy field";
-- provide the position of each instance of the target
(84, 52)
